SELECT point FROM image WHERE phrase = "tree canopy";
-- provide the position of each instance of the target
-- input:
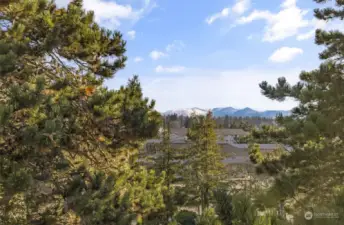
(69, 145)
(65, 140)
(314, 169)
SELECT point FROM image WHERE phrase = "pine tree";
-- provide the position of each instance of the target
(208, 217)
(314, 168)
(224, 207)
(255, 153)
(226, 122)
(5, 3)
(67, 142)
(239, 209)
(204, 160)
(186, 122)
(167, 162)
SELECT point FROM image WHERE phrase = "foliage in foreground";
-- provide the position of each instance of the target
(66, 142)
(68, 145)
(310, 175)
(204, 169)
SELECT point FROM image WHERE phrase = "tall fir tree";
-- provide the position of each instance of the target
(226, 123)
(66, 142)
(204, 160)
(314, 168)
(167, 162)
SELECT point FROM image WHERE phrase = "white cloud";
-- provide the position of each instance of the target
(286, 23)
(238, 8)
(288, 3)
(305, 36)
(132, 34)
(176, 45)
(155, 55)
(320, 24)
(194, 88)
(285, 54)
(173, 69)
(110, 14)
(138, 59)
(223, 14)
(241, 6)
(236, 88)
(250, 37)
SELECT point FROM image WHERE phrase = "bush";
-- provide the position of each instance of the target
(185, 217)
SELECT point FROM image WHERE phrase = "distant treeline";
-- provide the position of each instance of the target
(245, 123)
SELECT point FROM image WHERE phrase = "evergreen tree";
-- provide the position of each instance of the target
(189, 122)
(239, 209)
(186, 122)
(208, 217)
(67, 142)
(314, 168)
(173, 117)
(167, 162)
(255, 153)
(224, 207)
(226, 122)
(204, 160)
(219, 123)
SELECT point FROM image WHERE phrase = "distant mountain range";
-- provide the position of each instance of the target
(228, 111)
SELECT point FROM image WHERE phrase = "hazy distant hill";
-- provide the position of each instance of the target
(224, 111)
(229, 111)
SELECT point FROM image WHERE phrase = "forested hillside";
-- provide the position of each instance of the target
(72, 151)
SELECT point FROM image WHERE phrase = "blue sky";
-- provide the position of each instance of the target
(212, 53)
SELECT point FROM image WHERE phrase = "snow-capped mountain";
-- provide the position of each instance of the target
(186, 112)
(228, 111)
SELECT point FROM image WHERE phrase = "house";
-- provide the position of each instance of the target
(237, 153)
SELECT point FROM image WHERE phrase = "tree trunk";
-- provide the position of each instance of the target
(281, 210)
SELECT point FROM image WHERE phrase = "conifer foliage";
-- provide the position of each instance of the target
(255, 153)
(66, 142)
(315, 129)
(167, 162)
(205, 169)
